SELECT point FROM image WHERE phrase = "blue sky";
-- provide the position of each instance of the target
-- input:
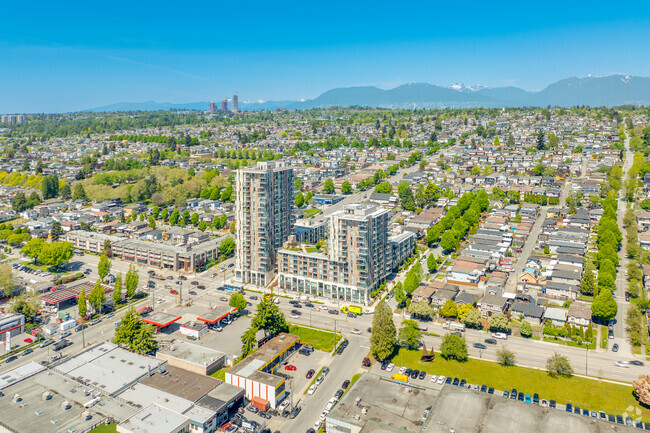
(67, 56)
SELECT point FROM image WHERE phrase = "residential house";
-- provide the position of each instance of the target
(579, 314)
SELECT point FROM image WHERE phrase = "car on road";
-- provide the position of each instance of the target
(622, 364)
(253, 298)
(296, 312)
(194, 283)
(65, 334)
(323, 307)
(345, 384)
(169, 277)
(356, 331)
(79, 328)
(27, 351)
(173, 292)
(500, 335)
(11, 359)
(192, 292)
(610, 334)
(311, 390)
(637, 363)
(310, 374)
(95, 321)
(480, 346)
(46, 343)
(615, 347)
(490, 341)
(334, 312)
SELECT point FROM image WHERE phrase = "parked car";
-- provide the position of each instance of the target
(441, 380)
(290, 367)
(637, 363)
(615, 347)
(422, 375)
(535, 398)
(568, 407)
(527, 398)
(309, 374)
(173, 292)
(552, 404)
(345, 384)
(479, 346)
(506, 394)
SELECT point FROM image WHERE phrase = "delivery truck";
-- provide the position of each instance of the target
(352, 309)
(454, 326)
(68, 324)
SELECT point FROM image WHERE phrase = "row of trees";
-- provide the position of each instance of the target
(459, 220)
(609, 239)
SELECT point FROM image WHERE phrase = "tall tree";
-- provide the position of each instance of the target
(559, 365)
(104, 266)
(505, 356)
(133, 333)
(33, 248)
(346, 187)
(131, 281)
(328, 186)
(410, 334)
(7, 284)
(238, 301)
(383, 332)
(604, 307)
(587, 285)
(117, 290)
(56, 231)
(269, 318)
(432, 263)
(79, 193)
(96, 297)
(453, 347)
(449, 309)
(50, 186)
(56, 253)
(82, 303)
(66, 192)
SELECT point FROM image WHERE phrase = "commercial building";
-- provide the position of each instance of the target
(186, 258)
(359, 256)
(257, 373)
(11, 325)
(264, 219)
(191, 357)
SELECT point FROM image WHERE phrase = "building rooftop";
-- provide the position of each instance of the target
(181, 383)
(215, 314)
(250, 366)
(155, 419)
(190, 352)
(161, 319)
(108, 367)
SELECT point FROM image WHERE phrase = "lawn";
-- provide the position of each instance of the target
(111, 428)
(311, 212)
(582, 392)
(311, 249)
(320, 340)
(220, 374)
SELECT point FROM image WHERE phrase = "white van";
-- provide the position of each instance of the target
(500, 335)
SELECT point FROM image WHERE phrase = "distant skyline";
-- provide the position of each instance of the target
(58, 57)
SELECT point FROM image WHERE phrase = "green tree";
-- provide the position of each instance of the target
(96, 297)
(432, 263)
(412, 280)
(410, 334)
(499, 322)
(328, 186)
(453, 347)
(203, 225)
(56, 253)
(152, 222)
(449, 309)
(33, 248)
(505, 356)
(155, 211)
(26, 306)
(269, 318)
(195, 218)
(56, 231)
(81, 303)
(238, 301)
(165, 214)
(66, 192)
(559, 365)
(526, 329)
(448, 241)
(227, 247)
(103, 267)
(79, 193)
(383, 332)
(604, 307)
(300, 200)
(131, 281)
(297, 184)
(346, 187)
(173, 219)
(117, 290)
(422, 310)
(50, 186)
(384, 188)
(133, 333)
(7, 284)
(400, 296)
(185, 218)
(249, 341)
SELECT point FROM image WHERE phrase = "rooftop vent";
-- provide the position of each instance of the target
(65, 405)
(47, 395)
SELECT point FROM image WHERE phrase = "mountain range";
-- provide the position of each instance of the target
(591, 90)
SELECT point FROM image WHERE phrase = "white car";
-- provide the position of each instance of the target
(356, 331)
(160, 300)
(402, 370)
(317, 425)
(283, 406)
(500, 335)
(390, 367)
(311, 390)
(324, 307)
(622, 364)
(319, 380)
(441, 380)
(322, 416)
(434, 378)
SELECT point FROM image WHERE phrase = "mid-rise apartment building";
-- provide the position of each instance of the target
(358, 257)
(263, 217)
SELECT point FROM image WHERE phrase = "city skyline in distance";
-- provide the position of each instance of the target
(70, 58)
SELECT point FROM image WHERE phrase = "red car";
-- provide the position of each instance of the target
(290, 367)
(28, 340)
(310, 373)
(173, 292)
